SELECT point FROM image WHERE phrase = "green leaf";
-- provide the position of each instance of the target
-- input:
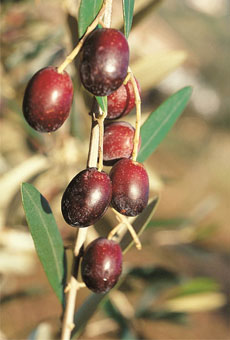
(171, 223)
(128, 6)
(87, 13)
(143, 9)
(46, 237)
(102, 101)
(196, 286)
(158, 124)
(139, 224)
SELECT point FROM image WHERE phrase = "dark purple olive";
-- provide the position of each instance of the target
(104, 61)
(130, 187)
(101, 265)
(48, 99)
(122, 101)
(86, 198)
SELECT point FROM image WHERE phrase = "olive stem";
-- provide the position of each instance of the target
(68, 323)
(102, 115)
(95, 144)
(90, 28)
(123, 219)
(136, 137)
(108, 13)
(114, 231)
(72, 287)
(127, 78)
(100, 121)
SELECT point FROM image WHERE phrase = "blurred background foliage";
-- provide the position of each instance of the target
(178, 286)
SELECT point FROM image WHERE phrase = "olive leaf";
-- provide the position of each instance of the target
(158, 124)
(88, 11)
(46, 237)
(128, 6)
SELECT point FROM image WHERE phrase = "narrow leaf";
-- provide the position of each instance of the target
(143, 9)
(196, 286)
(158, 124)
(171, 223)
(102, 101)
(46, 237)
(87, 13)
(128, 6)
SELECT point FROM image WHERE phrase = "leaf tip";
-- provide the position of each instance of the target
(23, 185)
(189, 89)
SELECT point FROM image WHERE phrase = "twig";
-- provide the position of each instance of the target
(74, 285)
(102, 115)
(138, 116)
(94, 144)
(124, 220)
(108, 13)
(76, 50)
(100, 121)
(115, 230)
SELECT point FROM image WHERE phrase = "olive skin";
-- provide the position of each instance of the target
(101, 265)
(47, 100)
(122, 101)
(104, 61)
(86, 198)
(118, 141)
(130, 186)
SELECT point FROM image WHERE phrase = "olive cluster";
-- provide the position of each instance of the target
(47, 102)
